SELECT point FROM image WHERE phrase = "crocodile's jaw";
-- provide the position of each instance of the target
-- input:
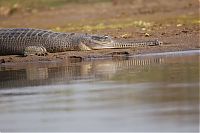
(103, 46)
(95, 45)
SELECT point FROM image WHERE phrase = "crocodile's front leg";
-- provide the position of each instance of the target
(83, 47)
(35, 50)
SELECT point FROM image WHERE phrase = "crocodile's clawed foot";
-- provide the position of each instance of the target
(35, 50)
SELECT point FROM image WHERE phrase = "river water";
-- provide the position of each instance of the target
(153, 92)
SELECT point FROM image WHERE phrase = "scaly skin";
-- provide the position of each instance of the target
(27, 41)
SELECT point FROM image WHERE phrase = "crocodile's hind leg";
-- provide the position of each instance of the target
(35, 50)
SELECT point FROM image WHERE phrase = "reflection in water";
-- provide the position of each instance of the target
(36, 73)
(56, 74)
(140, 94)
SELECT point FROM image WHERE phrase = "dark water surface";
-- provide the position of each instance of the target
(145, 93)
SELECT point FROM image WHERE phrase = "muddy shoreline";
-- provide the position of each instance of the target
(181, 43)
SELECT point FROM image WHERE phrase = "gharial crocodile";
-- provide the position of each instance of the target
(28, 41)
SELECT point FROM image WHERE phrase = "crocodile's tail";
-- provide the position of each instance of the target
(132, 44)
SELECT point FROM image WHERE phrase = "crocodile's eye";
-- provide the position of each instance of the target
(106, 36)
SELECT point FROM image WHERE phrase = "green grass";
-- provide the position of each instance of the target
(42, 4)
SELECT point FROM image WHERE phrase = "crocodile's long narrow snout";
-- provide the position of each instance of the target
(131, 44)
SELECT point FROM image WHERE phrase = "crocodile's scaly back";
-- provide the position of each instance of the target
(14, 41)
